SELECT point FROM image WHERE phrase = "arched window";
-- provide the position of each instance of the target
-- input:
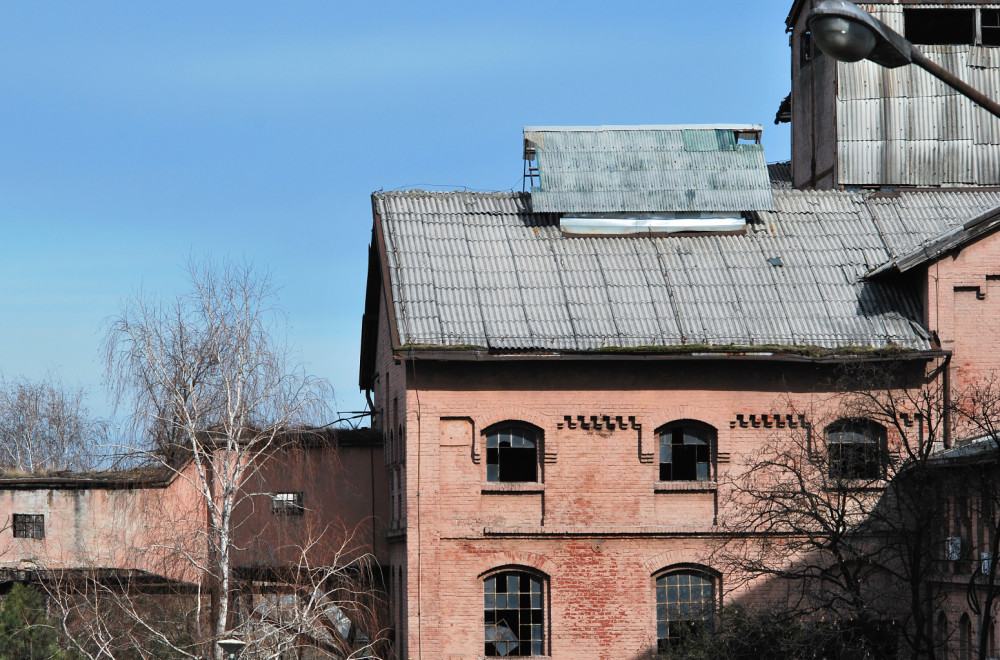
(512, 452)
(686, 450)
(965, 637)
(941, 635)
(514, 614)
(856, 449)
(685, 600)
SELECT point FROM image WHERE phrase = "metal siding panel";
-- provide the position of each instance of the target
(655, 170)
(905, 127)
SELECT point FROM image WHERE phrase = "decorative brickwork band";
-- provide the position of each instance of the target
(769, 421)
(599, 422)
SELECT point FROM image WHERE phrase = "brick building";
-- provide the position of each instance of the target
(569, 379)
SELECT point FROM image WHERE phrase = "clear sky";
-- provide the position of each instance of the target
(136, 134)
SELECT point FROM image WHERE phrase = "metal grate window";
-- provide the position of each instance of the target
(29, 526)
(287, 504)
(513, 614)
(685, 600)
(855, 449)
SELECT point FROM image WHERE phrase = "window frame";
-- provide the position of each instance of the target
(539, 643)
(28, 526)
(869, 468)
(678, 428)
(662, 605)
(494, 455)
(287, 506)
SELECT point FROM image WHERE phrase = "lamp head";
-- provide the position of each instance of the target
(847, 33)
(841, 38)
(232, 647)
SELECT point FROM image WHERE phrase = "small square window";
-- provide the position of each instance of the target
(287, 504)
(29, 526)
(856, 450)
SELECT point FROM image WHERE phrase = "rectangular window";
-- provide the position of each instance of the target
(805, 49)
(287, 504)
(936, 27)
(990, 27)
(29, 526)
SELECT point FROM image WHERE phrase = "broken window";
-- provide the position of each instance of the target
(934, 27)
(287, 504)
(685, 602)
(855, 449)
(990, 29)
(29, 526)
(512, 454)
(805, 49)
(513, 614)
(686, 451)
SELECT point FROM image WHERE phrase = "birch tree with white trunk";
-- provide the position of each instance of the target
(212, 386)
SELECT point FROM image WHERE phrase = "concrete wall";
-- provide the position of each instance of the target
(109, 525)
(345, 501)
(814, 112)
(152, 527)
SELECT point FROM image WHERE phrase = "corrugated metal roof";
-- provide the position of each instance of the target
(480, 269)
(647, 169)
(905, 127)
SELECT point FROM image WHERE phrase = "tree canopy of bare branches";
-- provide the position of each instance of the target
(207, 379)
(858, 545)
(46, 427)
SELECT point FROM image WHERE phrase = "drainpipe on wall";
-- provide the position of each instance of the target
(947, 401)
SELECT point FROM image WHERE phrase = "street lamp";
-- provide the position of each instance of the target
(231, 647)
(848, 33)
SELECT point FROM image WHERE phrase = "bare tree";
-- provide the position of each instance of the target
(842, 512)
(45, 427)
(208, 381)
(977, 502)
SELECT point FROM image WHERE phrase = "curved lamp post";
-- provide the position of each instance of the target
(848, 33)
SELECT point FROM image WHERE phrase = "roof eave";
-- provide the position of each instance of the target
(953, 239)
(445, 354)
(376, 292)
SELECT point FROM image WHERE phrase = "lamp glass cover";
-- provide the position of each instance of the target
(842, 39)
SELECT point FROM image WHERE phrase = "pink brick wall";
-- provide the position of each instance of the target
(598, 525)
(963, 307)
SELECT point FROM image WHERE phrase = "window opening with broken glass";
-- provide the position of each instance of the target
(686, 452)
(856, 449)
(685, 602)
(512, 454)
(513, 614)
(29, 526)
(287, 504)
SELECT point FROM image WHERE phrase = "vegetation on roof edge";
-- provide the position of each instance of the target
(127, 474)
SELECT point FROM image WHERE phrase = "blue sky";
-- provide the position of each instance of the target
(134, 135)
